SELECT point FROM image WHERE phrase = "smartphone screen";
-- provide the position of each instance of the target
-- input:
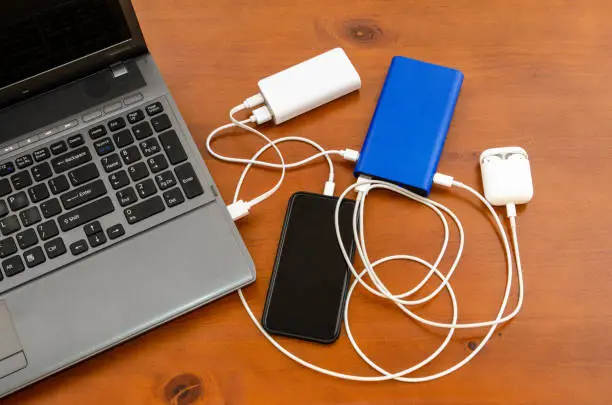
(308, 287)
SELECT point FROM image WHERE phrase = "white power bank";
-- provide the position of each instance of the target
(310, 84)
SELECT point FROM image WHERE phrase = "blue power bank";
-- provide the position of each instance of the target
(409, 127)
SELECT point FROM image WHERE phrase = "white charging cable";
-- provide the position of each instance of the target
(382, 291)
(240, 208)
(403, 300)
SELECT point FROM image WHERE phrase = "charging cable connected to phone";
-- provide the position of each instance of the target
(506, 175)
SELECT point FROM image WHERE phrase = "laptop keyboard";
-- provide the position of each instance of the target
(56, 201)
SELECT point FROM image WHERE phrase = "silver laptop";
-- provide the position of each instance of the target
(110, 223)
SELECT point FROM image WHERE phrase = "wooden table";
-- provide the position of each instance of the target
(537, 74)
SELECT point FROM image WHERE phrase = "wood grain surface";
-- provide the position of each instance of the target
(537, 74)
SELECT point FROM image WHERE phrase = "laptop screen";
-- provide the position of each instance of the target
(39, 35)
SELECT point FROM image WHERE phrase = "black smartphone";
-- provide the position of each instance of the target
(308, 288)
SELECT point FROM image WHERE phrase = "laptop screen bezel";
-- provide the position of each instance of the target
(83, 66)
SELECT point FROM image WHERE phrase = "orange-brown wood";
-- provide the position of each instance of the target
(537, 74)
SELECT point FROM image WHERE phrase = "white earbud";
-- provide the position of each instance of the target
(516, 156)
(491, 159)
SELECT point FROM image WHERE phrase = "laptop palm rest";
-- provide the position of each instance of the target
(12, 358)
(93, 304)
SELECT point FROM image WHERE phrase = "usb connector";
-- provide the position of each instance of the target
(238, 210)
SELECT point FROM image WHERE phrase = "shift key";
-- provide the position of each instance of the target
(85, 214)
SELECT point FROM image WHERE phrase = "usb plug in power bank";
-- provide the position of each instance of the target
(409, 127)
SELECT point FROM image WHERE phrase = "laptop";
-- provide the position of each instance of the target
(110, 222)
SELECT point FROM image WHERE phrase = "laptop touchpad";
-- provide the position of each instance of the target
(12, 358)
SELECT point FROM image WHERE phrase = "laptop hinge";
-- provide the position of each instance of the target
(118, 69)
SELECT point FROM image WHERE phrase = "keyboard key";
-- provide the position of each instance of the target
(12, 266)
(142, 130)
(146, 188)
(92, 228)
(115, 231)
(72, 159)
(5, 187)
(138, 171)
(97, 239)
(76, 140)
(123, 138)
(55, 248)
(97, 132)
(172, 145)
(42, 171)
(24, 161)
(83, 174)
(7, 168)
(111, 163)
(130, 155)
(154, 109)
(27, 238)
(21, 180)
(157, 163)
(104, 146)
(135, 116)
(41, 154)
(18, 201)
(149, 147)
(79, 247)
(9, 225)
(85, 214)
(59, 184)
(119, 179)
(174, 197)
(7, 247)
(81, 195)
(30, 216)
(144, 210)
(47, 230)
(188, 180)
(116, 124)
(34, 257)
(4, 210)
(50, 208)
(58, 147)
(39, 192)
(165, 180)
(126, 196)
(161, 123)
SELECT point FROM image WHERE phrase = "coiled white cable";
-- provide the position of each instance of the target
(380, 289)
(254, 161)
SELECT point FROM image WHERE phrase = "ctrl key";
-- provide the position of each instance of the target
(12, 266)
